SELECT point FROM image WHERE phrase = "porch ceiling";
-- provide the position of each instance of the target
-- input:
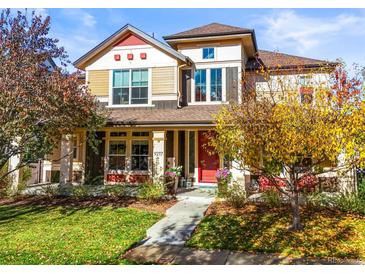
(154, 116)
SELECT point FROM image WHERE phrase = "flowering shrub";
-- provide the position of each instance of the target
(308, 183)
(224, 177)
(266, 184)
(173, 172)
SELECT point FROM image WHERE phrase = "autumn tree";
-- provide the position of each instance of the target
(289, 132)
(39, 102)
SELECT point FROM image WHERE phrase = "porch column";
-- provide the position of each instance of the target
(176, 148)
(158, 157)
(15, 175)
(66, 161)
(346, 177)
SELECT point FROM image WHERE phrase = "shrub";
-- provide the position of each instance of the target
(271, 197)
(320, 199)
(50, 191)
(350, 203)
(266, 184)
(151, 191)
(115, 191)
(224, 177)
(236, 195)
(5, 183)
(80, 191)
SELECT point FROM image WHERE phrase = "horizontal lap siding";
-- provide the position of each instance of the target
(98, 82)
(163, 80)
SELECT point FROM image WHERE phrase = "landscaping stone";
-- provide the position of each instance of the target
(190, 256)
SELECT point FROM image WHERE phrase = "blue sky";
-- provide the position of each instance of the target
(318, 33)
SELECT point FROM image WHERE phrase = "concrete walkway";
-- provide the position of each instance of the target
(181, 219)
(173, 254)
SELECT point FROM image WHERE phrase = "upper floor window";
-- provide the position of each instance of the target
(305, 89)
(208, 53)
(130, 86)
(200, 85)
(216, 84)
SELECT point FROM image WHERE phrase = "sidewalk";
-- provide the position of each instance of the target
(181, 219)
(172, 254)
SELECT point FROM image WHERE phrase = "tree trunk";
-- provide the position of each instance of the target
(294, 202)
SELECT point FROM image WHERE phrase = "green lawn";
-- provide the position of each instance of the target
(70, 235)
(326, 233)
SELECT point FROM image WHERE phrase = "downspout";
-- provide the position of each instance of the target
(178, 84)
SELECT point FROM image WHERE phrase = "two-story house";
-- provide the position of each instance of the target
(161, 98)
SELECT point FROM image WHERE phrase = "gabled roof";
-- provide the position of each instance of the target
(120, 33)
(209, 30)
(276, 60)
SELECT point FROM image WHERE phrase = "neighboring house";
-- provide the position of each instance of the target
(161, 98)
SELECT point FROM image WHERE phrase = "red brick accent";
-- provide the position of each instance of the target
(143, 55)
(122, 178)
(117, 57)
(130, 56)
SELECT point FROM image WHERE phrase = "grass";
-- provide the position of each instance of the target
(254, 229)
(31, 234)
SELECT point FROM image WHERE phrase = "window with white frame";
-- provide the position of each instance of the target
(208, 53)
(216, 84)
(208, 88)
(200, 85)
(130, 87)
(117, 155)
(139, 155)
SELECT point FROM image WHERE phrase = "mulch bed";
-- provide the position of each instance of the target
(116, 202)
(223, 208)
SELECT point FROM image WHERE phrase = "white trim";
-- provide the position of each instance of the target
(103, 99)
(224, 81)
(226, 37)
(130, 106)
(117, 48)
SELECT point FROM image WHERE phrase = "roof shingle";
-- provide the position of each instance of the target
(150, 116)
(208, 30)
(276, 60)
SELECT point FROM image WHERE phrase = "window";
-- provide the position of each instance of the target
(200, 85)
(118, 134)
(130, 87)
(75, 151)
(117, 155)
(140, 133)
(216, 84)
(208, 53)
(120, 87)
(305, 89)
(139, 86)
(139, 155)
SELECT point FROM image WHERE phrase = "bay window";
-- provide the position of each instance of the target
(208, 85)
(200, 85)
(216, 84)
(130, 86)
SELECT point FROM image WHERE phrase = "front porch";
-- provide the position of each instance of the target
(136, 155)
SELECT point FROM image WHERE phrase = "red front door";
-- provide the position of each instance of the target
(208, 163)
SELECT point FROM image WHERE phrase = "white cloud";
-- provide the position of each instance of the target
(83, 16)
(288, 29)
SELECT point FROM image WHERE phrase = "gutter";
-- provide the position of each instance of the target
(179, 94)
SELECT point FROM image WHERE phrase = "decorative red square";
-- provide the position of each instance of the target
(143, 55)
(130, 56)
(117, 57)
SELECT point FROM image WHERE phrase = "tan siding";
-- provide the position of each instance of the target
(98, 82)
(163, 80)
